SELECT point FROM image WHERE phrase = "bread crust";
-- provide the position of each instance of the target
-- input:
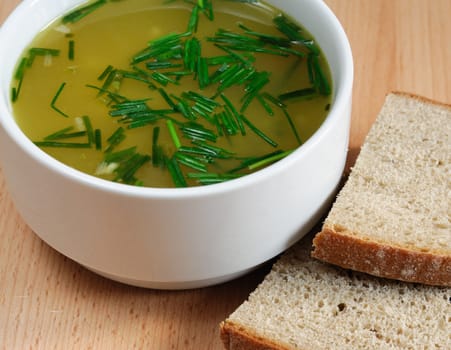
(420, 98)
(236, 337)
(338, 246)
(382, 260)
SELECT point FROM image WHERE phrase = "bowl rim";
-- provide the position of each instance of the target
(342, 93)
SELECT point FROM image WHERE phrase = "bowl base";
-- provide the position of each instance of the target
(173, 285)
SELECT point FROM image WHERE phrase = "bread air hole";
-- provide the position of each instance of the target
(341, 307)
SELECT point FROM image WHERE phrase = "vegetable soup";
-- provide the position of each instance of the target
(171, 93)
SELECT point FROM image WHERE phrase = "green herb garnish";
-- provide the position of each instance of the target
(173, 133)
(105, 73)
(98, 139)
(225, 86)
(55, 98)
(307, 93)
(158, 157)
(292, 126)
(115, 139)
(194, 19)
(212, 178)
(57, 144)
(266, 160)
(175, 172)
(39, 51)
(319, 78)
(191, 162)
(127, 169)
(81, 12)
(71, 50)
(64, 134)
(89, 129)
(19, 74)
(258, 132)
(195, 131)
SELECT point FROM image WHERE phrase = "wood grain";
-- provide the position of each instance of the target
(49, 302)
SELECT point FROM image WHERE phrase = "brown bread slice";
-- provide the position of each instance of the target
(305, 304)
(393, 216)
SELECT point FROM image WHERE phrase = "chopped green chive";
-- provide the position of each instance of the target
(18, 75)
(227, 122)
(55, 98)
(98, 139)
(243, 58)
(166, 97)
(292, 126)
(128, 108)
(258, 131)
(191, 162)
(192, 54)
(14, 93)
(138, 76)
(213, 151)
(39, 51)
(89, 129)
(196, 131)
(306, 93)
(126, 171)
(194, 19)
(120, 156)
(58, 134)
(287, 27)
(212, 178)
(157, 150)
(108, 81)
(202, 72)
(116, 138)
(176, 172)
(260, 79)
(112, 95)
(163, 79)
(163, 48)
(21, 68)
(202, 101)
(265, 105)
(268, 160)
(81, 12)
(207, 8)
(57, 144)
(105, 73)
(71, 50)
(184, 108)
(162, 65)
(319, 78)
(235, 113)
(227, 59)
(270, 39)
(65, 135)
(274, 100)
(173, 133)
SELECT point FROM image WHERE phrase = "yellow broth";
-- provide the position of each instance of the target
(112, 35)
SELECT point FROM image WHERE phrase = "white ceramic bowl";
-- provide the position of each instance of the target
(175, 238)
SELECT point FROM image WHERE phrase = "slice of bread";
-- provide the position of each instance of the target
(393, 216)
(304, 303)
(391, 219)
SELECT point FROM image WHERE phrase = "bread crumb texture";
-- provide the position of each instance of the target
(398, 196)
(307, 304)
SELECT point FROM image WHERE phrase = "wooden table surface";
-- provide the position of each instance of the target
(49, 302)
